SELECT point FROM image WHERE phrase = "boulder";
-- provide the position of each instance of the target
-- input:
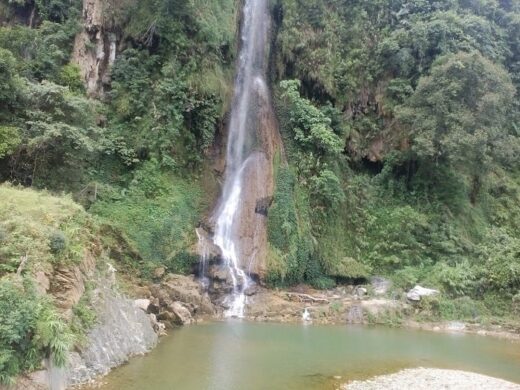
(181, 315)
(416, 293)
(180, 288)
(220, 281)
(158, 327)
(361, 292)
(268, 305)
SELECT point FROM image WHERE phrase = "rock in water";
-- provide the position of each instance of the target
(182, 315)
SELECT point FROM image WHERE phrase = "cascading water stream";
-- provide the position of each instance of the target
(250, 86)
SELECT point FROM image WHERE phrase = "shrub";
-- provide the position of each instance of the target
(323, 283)
(457, 280)
(30, 330)
(350, 268)
(57, 242)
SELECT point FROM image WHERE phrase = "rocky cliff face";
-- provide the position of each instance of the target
(258, 190)
(123, 330)
(95, 48)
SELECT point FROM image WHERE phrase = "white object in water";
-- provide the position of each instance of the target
(306, 316)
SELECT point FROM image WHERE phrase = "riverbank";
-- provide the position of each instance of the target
(431, 379)
(353, 306)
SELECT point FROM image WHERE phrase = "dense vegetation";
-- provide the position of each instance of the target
(423, 186)
(400, 121)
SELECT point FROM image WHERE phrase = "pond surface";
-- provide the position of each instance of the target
(238, 355)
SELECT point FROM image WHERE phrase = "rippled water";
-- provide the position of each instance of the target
(253, 356)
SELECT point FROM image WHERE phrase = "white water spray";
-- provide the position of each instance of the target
(250, 85)
(306, 316)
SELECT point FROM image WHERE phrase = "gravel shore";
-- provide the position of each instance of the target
(432, 379)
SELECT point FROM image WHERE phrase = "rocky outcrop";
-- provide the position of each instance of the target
(416, 293)
(123, 330)
(262, 147)
(179, 300)
(67, 283)
(95, 48)
(258, 188)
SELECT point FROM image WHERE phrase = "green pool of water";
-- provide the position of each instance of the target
(254, 356)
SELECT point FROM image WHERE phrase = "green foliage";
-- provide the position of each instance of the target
(42, 52)
(9, 140)
(84, 317)
(58, 10)
(501, 261)
(421, 95)
(58, 135)
(349, 268)
(9, 81)
(293, 258)
(323, 282)
(70, 76)
(455, 280)
(57, 242)
(459, 309)
(158, 212)
(161, 116)
(458, 113)
(30, 330)
(317, 146)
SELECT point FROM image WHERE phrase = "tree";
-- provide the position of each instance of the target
(318, 145)
(9, 80)
(458, 114)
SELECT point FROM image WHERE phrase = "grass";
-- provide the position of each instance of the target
(32, 223)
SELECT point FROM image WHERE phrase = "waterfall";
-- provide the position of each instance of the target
(250, 95)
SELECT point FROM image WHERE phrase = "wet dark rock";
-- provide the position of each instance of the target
(251, 290)
(263, 204)
(206, 248)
